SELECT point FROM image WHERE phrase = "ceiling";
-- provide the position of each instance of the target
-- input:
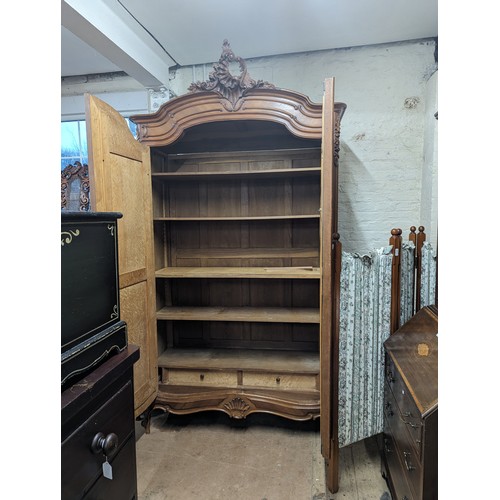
(144, 38)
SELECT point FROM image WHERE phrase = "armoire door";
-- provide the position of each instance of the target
(330, 254)
(120, 181)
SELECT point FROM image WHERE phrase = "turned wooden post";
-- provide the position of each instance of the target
(420, 238)
(395, 241)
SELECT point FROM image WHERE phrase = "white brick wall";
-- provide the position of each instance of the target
(382, 136)
(388, 156)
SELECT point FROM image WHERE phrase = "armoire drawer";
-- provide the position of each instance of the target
(409, 414)
(295, 381)
(217, 378)
(80, 465)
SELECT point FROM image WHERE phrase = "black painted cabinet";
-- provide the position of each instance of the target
(91, 328)
(97, 425)
(97, 388)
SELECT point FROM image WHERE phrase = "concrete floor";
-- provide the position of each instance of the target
(212, 457)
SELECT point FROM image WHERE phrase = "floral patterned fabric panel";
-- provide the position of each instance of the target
(365, 305)
(407, 281)
(428, 275)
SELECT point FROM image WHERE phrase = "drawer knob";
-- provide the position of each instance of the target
(278, 380)
(202, 377)
(105, 444)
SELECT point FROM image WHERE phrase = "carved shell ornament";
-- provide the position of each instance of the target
(221, 80)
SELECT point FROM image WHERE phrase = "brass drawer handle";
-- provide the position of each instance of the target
(413, 426)
(386, 446)
(409, 467)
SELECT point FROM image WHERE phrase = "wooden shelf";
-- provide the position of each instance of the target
(187, 176)
(246, 153)
(241, 359)
(247, 253)
(247, 314)
(240, 272)
(238, 218)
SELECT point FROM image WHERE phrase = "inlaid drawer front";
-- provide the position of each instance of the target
(83, 452)
(396, 468)
(403, 444)
(409, 413)
(179, 376)
(297, 381)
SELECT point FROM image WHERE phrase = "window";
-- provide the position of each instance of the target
(74, 142)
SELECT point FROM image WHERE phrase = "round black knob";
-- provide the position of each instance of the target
(105, 444)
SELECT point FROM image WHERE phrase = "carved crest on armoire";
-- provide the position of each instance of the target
(221, 80)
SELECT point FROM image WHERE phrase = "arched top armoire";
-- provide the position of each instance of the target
(229, 254)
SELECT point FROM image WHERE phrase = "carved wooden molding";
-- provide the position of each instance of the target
(221, 80)
(238, 407)
(239, 404)
(68, 175)
(225, 97)
(336, 148)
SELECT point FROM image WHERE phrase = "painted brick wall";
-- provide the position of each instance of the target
(388, 156)
(383, 181)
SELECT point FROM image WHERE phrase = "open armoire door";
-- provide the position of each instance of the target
(120, 181)
(330, 258)
(240, 207)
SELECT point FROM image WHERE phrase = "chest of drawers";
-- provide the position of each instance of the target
(411, 409)
(97, 423)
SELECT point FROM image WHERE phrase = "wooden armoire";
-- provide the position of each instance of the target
(229, 252)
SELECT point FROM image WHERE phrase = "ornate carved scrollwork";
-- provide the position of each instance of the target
(75, 173)
(336, 148)
(221, 80)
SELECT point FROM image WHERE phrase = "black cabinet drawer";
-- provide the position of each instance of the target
(80, 466)
(123, 484)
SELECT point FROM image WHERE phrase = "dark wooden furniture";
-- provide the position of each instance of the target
(91, 326)
(410, 455)
(396, 242)
(97, 421)
(75, 187)
(240, 298)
